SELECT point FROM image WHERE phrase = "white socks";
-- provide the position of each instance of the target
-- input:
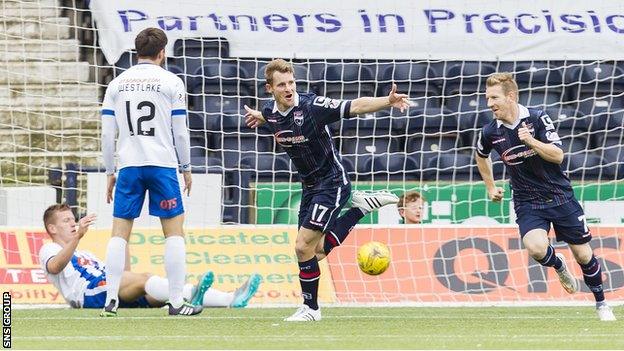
(115, 262)
(158, 288)
(175, 266)
(217, 298)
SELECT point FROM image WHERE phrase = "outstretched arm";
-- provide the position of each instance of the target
(57, 263)
(371, 104)
(253, 118)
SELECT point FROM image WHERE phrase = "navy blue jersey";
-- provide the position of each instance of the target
(533, 179)
(302, 131)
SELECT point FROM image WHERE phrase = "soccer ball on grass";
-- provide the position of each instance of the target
(373, 258)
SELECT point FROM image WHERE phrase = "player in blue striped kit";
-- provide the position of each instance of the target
(299, 124)
(528, 144)
(81, 278)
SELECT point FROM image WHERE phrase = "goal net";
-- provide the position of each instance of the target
(58, 56)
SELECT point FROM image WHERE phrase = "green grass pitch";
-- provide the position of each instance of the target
(341, 328)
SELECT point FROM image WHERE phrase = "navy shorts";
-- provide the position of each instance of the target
(321, 204)
(568, 220)
(165, 198)
(95, 296)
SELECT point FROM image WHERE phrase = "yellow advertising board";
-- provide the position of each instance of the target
(232, 253)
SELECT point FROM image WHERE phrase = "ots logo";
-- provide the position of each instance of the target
(515, 156)
(286, 138)
(169, 204)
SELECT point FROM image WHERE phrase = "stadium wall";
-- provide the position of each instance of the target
(430, 265)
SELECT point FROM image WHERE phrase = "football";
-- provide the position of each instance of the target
(373, 258)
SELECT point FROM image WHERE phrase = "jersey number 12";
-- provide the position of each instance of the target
(148, 117)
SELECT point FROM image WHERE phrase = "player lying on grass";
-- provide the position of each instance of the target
(80, 277)
(300, 125)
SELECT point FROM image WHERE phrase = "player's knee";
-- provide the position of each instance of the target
(320, 248)
(304, 247)
(583, 258)
(536, 249)
(536, 243)
(582, 253)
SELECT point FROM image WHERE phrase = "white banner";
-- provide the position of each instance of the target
(432, 29)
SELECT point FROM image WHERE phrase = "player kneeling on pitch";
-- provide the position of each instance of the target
(80, 276)
(542, 194)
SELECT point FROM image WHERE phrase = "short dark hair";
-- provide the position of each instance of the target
(149, 42)
(51, 211)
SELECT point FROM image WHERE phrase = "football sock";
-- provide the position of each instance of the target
(309, 274)
(217, 298)
(341, 229)
(592, 275)
(175, 266)
(551, 260)
(158, 288)
(115, 262)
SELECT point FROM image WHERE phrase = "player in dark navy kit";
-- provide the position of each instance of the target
(529, 146)
(299, 123)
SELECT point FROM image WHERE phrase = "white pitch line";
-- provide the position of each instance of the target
(16, 318)
(522, 337)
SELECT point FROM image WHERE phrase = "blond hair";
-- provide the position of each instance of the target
(410, 196)
(505, 80)
(277, 65)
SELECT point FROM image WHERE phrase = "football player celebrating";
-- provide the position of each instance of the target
(542, 194)
(299, 122)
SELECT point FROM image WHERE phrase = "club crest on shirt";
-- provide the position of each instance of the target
(298, 115)
(553, 136)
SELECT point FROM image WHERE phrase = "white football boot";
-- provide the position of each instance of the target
(605, 313)
(374, 200)
(566, 278)
(305, 314)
